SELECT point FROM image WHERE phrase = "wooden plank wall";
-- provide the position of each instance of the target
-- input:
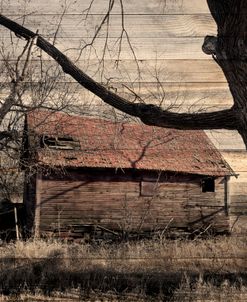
(238, 190)
(119, 201)
(166, 37)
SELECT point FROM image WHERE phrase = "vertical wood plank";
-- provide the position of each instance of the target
(37, 206)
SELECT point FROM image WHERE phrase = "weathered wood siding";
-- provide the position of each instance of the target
(238, 191)
(166, 36)
(129, 202)
(29, 205)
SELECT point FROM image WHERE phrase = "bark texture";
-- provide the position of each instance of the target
(231, 52)
(149, 114)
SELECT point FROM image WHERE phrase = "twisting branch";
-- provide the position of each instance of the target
(17, 79)
(104, 21)
(149, 114)
(105, 24)
(125, 33)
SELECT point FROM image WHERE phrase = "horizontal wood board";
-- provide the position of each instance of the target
(238, 185)
(120, 204)
(166, 36)
(137, 26)
(100, 6)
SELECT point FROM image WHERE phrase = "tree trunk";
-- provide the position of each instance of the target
(230, 52)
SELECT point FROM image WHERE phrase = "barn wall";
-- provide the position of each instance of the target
(130, 202)
(238, 191)
(29, 205)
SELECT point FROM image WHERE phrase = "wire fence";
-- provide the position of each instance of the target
(56, 270)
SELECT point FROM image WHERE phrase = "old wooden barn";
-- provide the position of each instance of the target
(173, 72)
(121, 177)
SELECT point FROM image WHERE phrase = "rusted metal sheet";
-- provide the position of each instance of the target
(105, 144)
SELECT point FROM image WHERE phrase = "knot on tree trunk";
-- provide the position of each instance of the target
(148, 113)
(210, 45)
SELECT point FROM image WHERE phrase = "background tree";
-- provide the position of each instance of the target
(27, 83)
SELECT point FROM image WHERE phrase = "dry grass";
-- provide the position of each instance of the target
(159, 269)
(203, 291)
(200, 292)
(224, 254)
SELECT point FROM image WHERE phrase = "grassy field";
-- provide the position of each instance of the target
(155, 270)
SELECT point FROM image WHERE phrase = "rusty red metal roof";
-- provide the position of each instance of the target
(107, 144)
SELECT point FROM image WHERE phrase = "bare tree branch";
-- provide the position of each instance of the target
(14, 95)
(149, 114)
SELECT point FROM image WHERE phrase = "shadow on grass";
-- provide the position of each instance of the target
(51, 274)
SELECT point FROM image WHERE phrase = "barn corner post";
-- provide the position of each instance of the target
(16, 223)
(37, 208)
(227, 195)
(229, 50)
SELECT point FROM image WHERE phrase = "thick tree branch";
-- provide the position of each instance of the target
(149, 114)
(153, 115)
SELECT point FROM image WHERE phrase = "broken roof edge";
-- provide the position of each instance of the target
(57, 168)
(210, 142)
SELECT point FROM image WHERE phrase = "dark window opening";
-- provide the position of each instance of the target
(64, 143)
(208, 185)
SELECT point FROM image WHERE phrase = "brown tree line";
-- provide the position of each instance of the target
(229, 50)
